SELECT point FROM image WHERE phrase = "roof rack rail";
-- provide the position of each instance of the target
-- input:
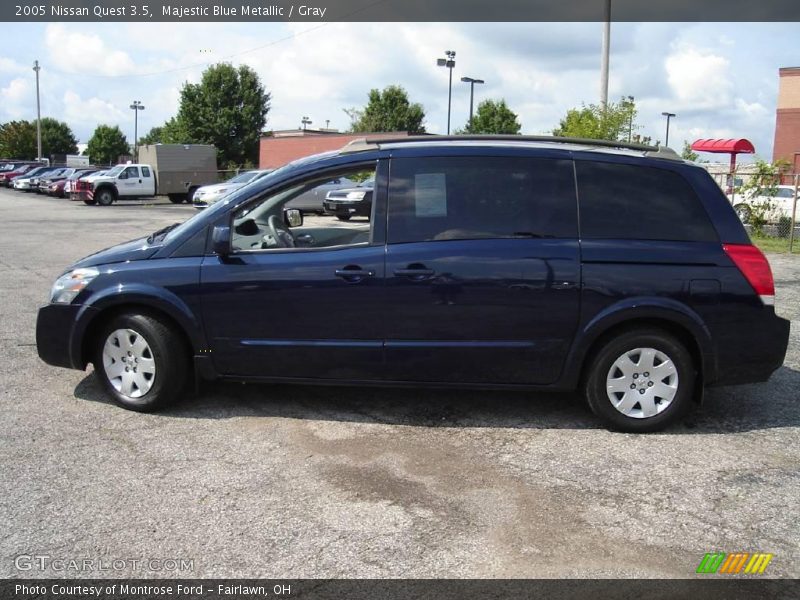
(367, 143)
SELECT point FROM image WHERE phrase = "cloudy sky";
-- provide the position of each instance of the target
(720, 78)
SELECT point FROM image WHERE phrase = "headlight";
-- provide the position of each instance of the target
(356, 195)
(70, 284)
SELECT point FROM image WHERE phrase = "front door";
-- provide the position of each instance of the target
(311, 309)
(482, 269)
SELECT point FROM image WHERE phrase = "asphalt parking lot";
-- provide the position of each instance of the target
(279, 481)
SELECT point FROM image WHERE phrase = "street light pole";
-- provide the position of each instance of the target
(471, 83)
(605, 52)
(305, 121)
(448, 62)
(136, 107)
(669, 115)
(36, 69)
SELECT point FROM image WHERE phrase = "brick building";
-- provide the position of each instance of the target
(787, 118)
(280, 147)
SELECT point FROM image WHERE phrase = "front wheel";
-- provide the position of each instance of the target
(105, 197)
(141, 362)
(640, 381)
(343, 217)
(90, 202)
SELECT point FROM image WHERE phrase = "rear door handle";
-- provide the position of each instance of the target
(417, 273)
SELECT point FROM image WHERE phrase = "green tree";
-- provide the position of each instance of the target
(107, 144)
(171, 132)
(388, 110)
(614, 122)
(760, 188)
(228, 108)
(688, 153)
(57, 137)
(493, 116)
(18, 139)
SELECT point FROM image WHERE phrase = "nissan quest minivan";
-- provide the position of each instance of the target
(487, 261)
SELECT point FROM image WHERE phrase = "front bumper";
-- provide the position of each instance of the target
(56, 340)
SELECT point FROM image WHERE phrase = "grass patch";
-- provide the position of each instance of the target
(775, 245)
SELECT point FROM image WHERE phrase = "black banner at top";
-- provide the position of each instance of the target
(399, 10)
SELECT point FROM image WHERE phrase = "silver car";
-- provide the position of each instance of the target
(209, 194)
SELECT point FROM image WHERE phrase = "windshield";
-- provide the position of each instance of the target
(243, 177)
(115, 171)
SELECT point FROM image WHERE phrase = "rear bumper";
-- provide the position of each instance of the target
(56, 341)
(756, 358)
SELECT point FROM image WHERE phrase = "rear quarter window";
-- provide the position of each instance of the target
(620, 201)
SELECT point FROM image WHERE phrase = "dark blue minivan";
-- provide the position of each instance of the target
(488, 261)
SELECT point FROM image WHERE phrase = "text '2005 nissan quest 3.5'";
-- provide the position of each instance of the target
(506, 262)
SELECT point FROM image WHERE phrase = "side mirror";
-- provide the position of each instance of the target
(221, 240)
(292, 217)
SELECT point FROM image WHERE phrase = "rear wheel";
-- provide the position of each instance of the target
(176, 198)
(141, 362)
(343, 217)
(105, 197)
(188, 197)
(640, 381)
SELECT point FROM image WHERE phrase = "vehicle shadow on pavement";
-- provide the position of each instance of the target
(724, 410)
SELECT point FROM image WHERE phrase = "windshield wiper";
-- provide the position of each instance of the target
(161, 233)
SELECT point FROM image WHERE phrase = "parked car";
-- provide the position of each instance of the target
(209, 194)
(311, 200)
(470, 272)
(41, 183)
(780, 205)
(18, 170)
(350, 202)
(25, 182)
(66, 185)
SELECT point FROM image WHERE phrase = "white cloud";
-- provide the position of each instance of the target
(699, 78)
(91, 110)
(72, 51)
(17, 99)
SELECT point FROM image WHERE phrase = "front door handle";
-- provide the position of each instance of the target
(354, 273)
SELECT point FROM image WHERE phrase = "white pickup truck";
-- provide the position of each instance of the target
(173, 170)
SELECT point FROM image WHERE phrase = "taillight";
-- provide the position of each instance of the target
(755, 268)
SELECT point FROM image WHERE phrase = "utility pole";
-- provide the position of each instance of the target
(36, 69)
(605, 52)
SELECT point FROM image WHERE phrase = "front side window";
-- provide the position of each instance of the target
(132, 172)
(344, 218)
(450, 198)
(619, 201)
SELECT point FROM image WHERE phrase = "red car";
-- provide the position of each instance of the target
(17, 170)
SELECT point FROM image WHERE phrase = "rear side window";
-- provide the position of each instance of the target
(451, 198)
(145, 172)
(639, 203)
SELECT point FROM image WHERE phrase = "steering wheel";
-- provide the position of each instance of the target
(283, 238)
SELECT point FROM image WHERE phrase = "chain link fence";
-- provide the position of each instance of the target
(772, 217)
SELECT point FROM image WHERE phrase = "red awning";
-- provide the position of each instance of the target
(740, 146)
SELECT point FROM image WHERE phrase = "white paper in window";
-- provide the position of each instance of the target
(430, 194)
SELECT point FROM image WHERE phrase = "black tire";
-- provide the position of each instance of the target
(595, 386)
(105, 196)
(89, 202)
(190, 194)
(167, 351)
(343, 217)
(176, 198)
